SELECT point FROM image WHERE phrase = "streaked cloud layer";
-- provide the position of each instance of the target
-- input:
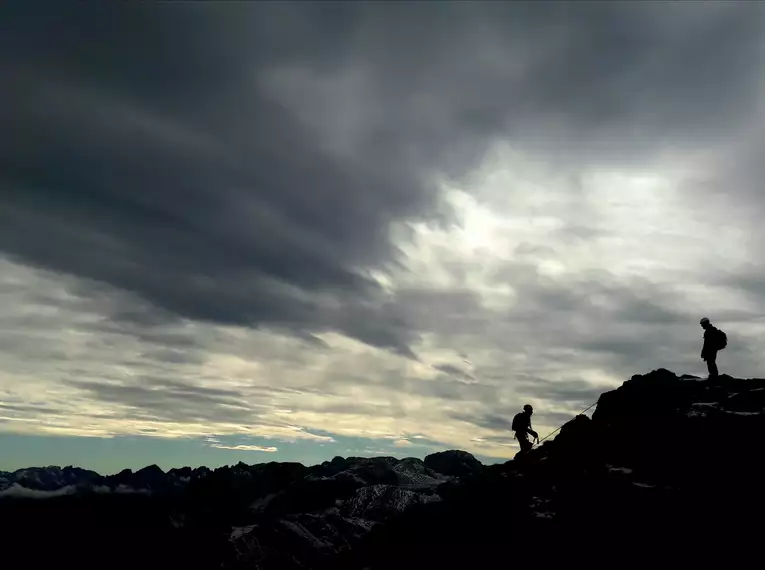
(296, 224)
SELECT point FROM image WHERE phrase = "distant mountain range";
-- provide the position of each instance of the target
(668, 470)
(411, 473)
(42, 482)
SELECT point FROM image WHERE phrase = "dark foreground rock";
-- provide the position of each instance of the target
(667, 471)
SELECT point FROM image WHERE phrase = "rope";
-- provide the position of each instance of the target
(539, 441)
(557, 430)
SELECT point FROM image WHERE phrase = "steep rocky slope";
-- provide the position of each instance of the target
(668, 470)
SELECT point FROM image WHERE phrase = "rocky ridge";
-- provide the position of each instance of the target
(668, 468)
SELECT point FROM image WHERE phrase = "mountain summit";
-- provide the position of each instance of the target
(668, 469)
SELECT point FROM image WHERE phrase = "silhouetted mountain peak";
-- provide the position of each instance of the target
(153, 470)
(453, 462)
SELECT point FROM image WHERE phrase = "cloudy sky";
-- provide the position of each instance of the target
(258, 232)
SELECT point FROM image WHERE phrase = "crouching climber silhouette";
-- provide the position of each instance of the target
(522, 428)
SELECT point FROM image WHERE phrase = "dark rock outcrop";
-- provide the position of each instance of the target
(667, 471)
(454, 462)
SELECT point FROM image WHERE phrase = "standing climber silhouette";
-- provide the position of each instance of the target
(714, 340)
(522, 428)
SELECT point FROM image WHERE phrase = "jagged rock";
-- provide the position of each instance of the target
(295, 542)
(310, 495)
(329, 468)
(412, 472)
(454, 462)
(49, 478)
(378, 502)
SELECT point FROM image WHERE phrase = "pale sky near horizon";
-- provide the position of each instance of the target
(268, 232)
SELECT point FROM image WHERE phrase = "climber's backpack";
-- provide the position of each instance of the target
(722, 339)
(519, 422)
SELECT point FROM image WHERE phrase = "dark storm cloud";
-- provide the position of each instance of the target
(201, 194)
(203, 157)
(431, 309)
